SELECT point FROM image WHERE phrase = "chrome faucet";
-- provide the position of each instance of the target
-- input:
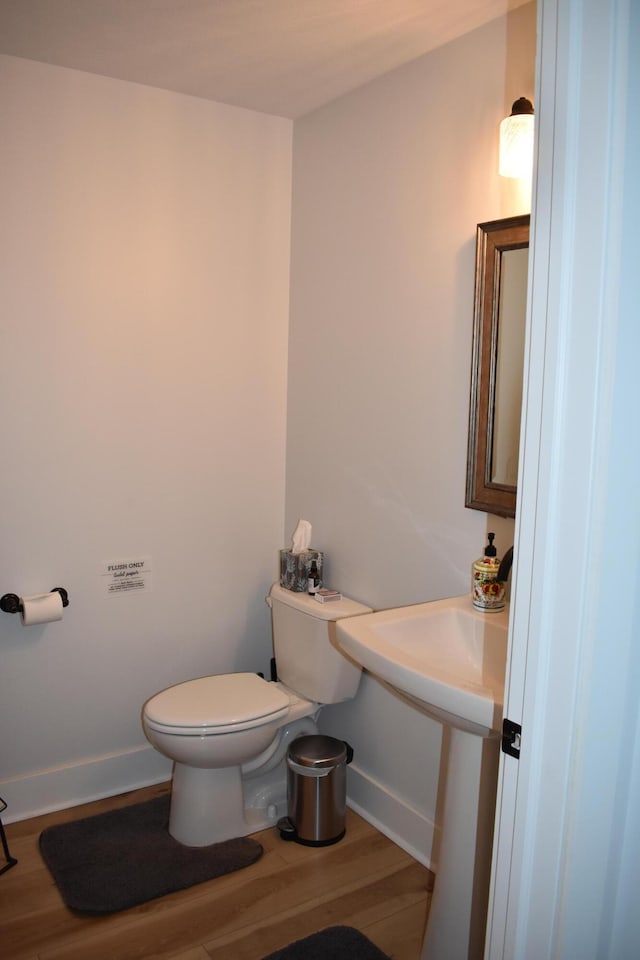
(505, 566)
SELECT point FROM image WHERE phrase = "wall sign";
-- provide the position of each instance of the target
(126, 576)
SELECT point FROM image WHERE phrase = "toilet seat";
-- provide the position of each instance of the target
(224, 703)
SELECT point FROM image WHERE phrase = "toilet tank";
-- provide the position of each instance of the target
(308, 658)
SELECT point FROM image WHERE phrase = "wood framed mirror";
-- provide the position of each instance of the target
(502, 254)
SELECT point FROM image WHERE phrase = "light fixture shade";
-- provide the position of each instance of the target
(516, 141)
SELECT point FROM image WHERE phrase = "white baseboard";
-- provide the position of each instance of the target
(391, 814)
(57, 788)
(67, 786)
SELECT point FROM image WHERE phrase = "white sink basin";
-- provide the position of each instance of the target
(446, 655)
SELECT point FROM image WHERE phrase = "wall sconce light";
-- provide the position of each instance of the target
(516, 141)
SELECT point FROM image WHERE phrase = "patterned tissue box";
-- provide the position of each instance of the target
(295, 567)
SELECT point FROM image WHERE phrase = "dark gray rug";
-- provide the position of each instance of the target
(334, 943)
(119, 859)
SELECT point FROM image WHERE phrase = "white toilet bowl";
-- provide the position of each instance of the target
(227, 735)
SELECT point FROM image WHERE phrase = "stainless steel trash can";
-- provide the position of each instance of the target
(316, 790)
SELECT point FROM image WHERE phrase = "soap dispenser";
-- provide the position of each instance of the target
(486, 590)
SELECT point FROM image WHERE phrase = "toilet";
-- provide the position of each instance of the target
(228, 734)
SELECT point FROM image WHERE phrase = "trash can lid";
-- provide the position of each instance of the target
(315, 750)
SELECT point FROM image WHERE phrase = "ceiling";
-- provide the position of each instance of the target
(284, 57)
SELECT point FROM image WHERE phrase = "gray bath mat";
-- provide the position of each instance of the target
(119, 859)
(334, 943)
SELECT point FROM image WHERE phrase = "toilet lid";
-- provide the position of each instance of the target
(219, 701)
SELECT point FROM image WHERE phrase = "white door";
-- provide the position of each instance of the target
(566, 872)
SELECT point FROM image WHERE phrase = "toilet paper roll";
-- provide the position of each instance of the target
(41, 608)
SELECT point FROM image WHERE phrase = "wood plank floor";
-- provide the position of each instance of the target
(365, 881)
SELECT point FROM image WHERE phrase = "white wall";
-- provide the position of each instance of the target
(144, 276)
(388, 186)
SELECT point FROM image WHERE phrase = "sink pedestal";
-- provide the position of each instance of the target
(458, 913)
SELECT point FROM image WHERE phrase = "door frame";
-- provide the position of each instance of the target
(543, 902)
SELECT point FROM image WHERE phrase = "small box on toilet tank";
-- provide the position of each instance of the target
(295, 568)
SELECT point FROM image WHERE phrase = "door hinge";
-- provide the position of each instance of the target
(511, 738)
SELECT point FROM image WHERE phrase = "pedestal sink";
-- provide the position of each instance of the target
(449, 659)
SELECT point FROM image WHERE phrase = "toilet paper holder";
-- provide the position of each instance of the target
(11, 602)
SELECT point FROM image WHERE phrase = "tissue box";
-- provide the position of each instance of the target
(295, 567)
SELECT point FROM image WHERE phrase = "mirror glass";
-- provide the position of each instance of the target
(502, 254)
